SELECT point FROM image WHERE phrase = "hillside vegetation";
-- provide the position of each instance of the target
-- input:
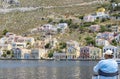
(20, 22)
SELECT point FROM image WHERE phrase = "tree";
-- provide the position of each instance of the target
(4, 55)
(50, 20)
(102, 29)
(5, 31)
(114, 42)
(81, 17)
(69, 22)
(82, 29)
(61, 21)
(87, 24)
(50, 54)
(62, 45)
(47, 45)
(8, 52)
(90, 40)
(74, 26)
(59, 30)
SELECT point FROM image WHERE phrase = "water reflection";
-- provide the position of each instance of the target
(46, 69)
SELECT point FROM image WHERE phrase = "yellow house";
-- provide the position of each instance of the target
(73, 49)
(95, 53)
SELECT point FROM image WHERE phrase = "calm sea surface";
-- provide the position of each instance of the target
(33, 69)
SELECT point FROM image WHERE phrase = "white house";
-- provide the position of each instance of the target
(21, 53)
(3, 40)
(47, 27)
(115, 18)
(89, 18)
(5, 46)
(34, 30)
(22, 41)
(38, 53)
(106, 35)
(114, 49)
(62, 26)
(101, 13)
(102, 42)
(30, 40)
(115, 5)
(59, 56)
(26, 53)
(115, 28)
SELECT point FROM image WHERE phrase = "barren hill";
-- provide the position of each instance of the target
(18, 21)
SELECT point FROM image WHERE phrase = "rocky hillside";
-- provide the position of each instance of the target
(20, 19)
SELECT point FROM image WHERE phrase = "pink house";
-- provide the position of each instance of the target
(94, 28)
(84, 52)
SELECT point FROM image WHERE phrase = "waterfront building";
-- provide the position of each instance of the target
(17, 53)
(38, 53)
(84, 52)
(27, 55)
(20, 53)
(95, 53)
(114, 49)
(73, 49)
(87, 52)
(59, 55)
